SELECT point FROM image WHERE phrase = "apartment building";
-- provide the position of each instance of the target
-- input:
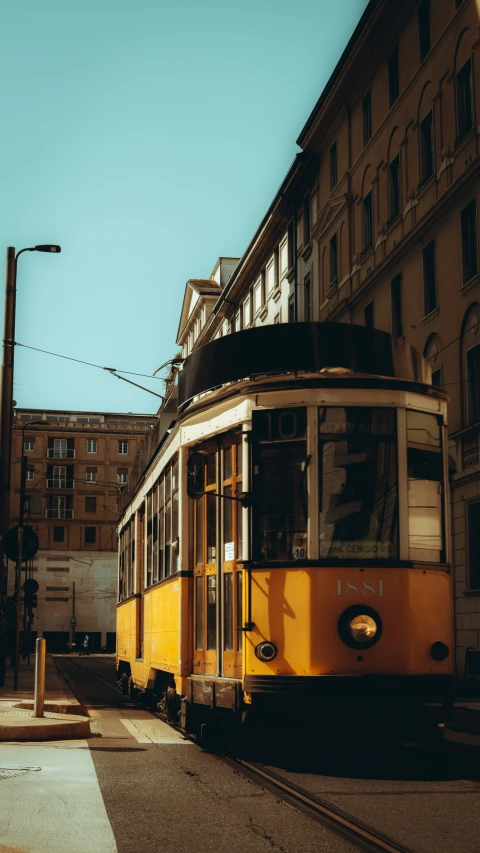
(376, 223)
(77, 465)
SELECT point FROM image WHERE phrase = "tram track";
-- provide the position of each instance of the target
(363, 836)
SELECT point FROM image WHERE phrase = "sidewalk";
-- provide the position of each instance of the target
(64, 716)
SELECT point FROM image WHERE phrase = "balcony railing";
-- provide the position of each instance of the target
(59, 513)
(60, 483)
(468, 449)
(60, 453)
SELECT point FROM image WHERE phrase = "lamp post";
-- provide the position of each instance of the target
(18, 563)
(6, 407)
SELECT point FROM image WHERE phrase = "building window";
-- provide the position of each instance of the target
(29, 444)
(394, 188)
(468, 218)
(306, 221)
(30, 473)
(333, 261)
(429, 278)
(424, 37)
(393, 77)
(307, 295)
(291, 246)
(437, 378)
(91, 475)
(367, 221)
(58, 534)
(368, 314)
(474, 545)
(122, 476)
(464, 101)
(396, 294)
(90, 535)
(90, 504)
(123, 447)
(367, 117)
(473, 382)
(426, 148)
(291, 309)
(92, 445)
(333, 166)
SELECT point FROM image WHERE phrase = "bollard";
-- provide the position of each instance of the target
(39, 694)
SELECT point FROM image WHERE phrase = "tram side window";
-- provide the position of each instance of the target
(161, 529)
(148, 573)
(211, 612)
(358, 495)
(168, 519)
(425, 487)
(280, 498)
(121, 568)
(175, 496)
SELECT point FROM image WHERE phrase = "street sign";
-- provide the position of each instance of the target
(30, 586)
(29, 543)
(73, 622)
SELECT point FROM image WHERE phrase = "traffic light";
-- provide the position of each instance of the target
(29, 601)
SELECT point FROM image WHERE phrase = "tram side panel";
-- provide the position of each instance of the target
(127, 617)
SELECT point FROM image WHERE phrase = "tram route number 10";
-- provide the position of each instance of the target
(367, 588)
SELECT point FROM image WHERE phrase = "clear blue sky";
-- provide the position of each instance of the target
(147, 139)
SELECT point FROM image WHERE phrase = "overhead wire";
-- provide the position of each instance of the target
(88, 363)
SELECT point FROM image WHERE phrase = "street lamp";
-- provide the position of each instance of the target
(18, 562)
(6, 408)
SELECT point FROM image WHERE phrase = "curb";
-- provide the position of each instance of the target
(14, 727)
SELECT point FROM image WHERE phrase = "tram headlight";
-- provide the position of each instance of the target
(363, 628)
(360, 627)
(266, 651)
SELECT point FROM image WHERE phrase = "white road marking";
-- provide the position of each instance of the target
(153, 731)
(58, 808)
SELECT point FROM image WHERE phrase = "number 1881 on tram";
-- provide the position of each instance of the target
(285, 553)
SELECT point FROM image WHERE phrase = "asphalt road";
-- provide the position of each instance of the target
(175, 796)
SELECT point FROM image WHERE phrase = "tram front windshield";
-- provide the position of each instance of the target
(358, 494)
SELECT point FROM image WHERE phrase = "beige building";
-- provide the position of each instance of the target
(77, 465)
(376, 223)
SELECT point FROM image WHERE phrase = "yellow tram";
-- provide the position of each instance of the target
(285, 549)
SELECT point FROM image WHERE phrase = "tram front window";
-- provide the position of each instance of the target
(425, 479)
(279, 482)
(358, 496)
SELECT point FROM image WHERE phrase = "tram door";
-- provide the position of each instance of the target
(217, 547)
(232, 575)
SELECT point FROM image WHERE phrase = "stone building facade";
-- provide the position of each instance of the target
(376, 223)
(77, 465)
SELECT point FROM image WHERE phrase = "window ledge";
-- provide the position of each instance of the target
(263, 313)
(276, 294)
(470, 283)
(291, 274)
(425, 184)
(431, 316)
(463, 140)
(392, 220)
(307, 251)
